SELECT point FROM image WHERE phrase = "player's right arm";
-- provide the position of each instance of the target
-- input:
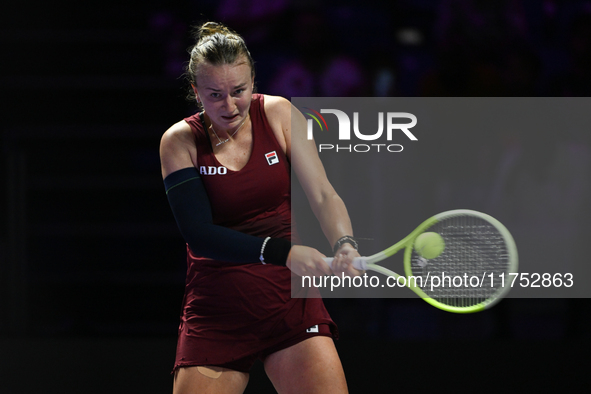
(190, 203)
(191, 207)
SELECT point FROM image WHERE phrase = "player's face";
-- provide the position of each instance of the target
(225, 92)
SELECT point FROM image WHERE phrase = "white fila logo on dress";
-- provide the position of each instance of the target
(272, 158)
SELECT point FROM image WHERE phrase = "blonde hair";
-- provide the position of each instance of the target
(215, 44)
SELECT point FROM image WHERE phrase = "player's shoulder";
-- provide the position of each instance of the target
(178, 133)
(178, 130)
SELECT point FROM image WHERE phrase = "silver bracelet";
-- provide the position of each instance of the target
(263, 249)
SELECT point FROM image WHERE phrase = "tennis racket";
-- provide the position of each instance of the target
(466, 276)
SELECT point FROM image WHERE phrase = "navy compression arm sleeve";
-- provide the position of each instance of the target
(191, 209)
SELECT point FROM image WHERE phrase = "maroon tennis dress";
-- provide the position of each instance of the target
(235, 313)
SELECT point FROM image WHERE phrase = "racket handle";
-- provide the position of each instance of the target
(358, 262)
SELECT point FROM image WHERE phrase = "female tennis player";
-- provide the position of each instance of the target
(226, 171)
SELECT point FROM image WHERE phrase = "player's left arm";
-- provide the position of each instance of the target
(289, 126)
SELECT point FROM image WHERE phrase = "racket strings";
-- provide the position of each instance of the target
(467, 272)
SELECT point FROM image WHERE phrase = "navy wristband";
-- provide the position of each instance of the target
(276, 251)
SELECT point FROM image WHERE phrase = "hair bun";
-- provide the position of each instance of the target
(211, 28)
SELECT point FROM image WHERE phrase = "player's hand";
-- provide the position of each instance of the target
(343, 261)
(306, 261)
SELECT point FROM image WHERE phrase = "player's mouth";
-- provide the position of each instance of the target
(230, 118)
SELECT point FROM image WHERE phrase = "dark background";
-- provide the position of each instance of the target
(91, 264)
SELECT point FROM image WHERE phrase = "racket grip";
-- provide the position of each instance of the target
(358, 262)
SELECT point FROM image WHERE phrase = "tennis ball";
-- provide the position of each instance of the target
(429, 245)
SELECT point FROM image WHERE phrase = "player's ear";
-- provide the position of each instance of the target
(196, 92)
